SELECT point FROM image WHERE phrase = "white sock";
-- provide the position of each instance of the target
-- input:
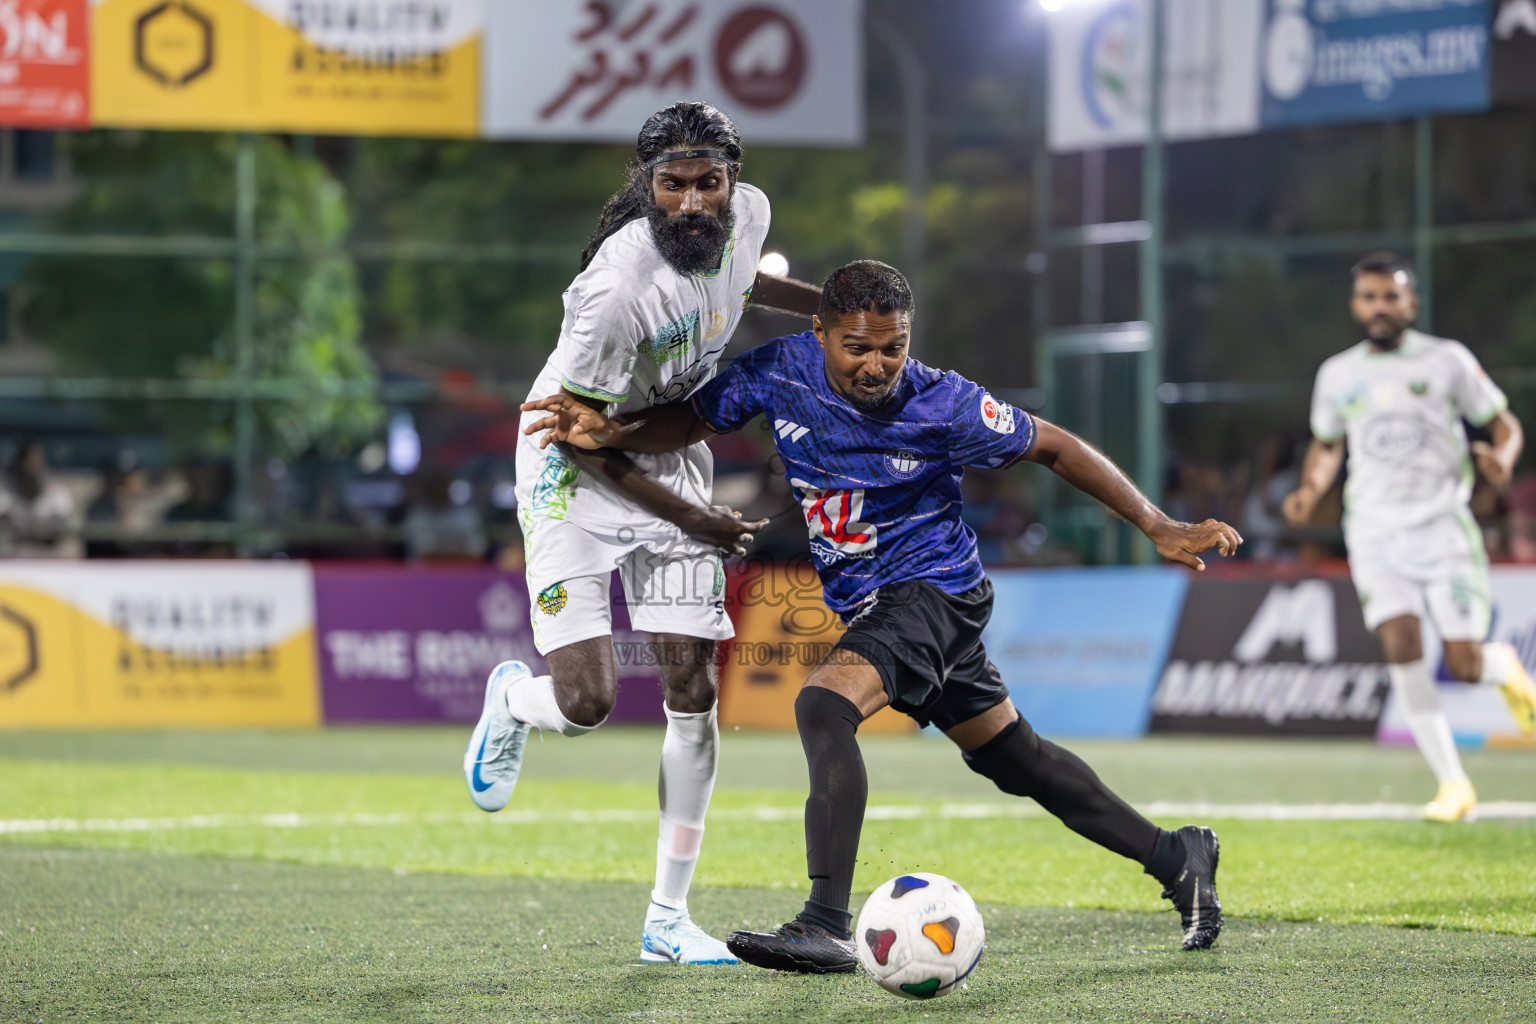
(1431, 731)
(689, 756)
(533, 701)
(1500, 663)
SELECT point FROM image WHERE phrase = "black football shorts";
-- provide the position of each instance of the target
(926, 645)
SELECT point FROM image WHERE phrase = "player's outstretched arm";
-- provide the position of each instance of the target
(1090, 471)
(1318, 472)
(786, 295)
(579, 430)
(573, 420)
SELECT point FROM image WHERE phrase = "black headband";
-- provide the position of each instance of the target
(689, 154)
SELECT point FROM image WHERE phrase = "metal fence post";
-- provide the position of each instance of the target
(1149, 449)
(914, 108)
(244, 340)
(1424, 218)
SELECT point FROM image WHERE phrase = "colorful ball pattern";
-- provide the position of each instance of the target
(920, 935)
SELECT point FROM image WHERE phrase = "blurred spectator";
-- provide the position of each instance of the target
(135, 503)
(1522, 519)
(443, 523)
(210, 498)
(210, 494)
(39, 512)
(996, 521)
(1196, 492)
(1263, 527)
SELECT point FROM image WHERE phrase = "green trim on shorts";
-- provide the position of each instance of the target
(1474, 535)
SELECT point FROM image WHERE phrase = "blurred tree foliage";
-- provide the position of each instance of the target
(174, 317)
(829, 206)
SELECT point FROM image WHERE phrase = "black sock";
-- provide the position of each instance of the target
(1167, 858)
(834, 812)
(1022, 764)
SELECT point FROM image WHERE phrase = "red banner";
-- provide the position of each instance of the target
(44, 64)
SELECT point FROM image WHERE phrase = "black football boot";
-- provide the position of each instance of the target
(801, 945)
(1194, 892)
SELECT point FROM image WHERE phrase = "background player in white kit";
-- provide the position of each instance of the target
(663, 285)
(1399, 398)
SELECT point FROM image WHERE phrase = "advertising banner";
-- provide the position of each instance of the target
(1478, 715)
(416, 644)
(1329, 61)
(44, 69)
(358, 67)
(1274, 657)
(783, 631)
(1081, 649)
(1099, 61)
(157, 644)
(1514, 52)
(787, 71)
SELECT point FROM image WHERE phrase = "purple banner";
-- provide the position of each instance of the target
(415, 644)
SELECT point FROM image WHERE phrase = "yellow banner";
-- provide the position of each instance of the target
(321, 66)
(783, 631)
(157, 644)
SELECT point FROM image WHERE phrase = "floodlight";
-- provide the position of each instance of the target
(774, 264)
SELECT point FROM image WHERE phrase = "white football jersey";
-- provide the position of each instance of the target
(638, 333)
(1401, 413)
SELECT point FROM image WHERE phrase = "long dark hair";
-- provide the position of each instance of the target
(685, 125)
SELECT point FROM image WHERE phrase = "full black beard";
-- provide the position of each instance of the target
(689, 253)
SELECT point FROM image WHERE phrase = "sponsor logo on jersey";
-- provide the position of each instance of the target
(684, 384)
(1393, 438)
(672, 340)
(998, 416)
(903, 465)
(552, 599)
(833, 519)
(1419, 387)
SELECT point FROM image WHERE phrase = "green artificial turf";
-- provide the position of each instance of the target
(99, 935)
(178, 895)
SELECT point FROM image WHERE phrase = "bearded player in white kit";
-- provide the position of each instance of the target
(1399, 398)
(663, 285)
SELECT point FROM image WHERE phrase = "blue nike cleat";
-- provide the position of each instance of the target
(495, 752)
(671, 937)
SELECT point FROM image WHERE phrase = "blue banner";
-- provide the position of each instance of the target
(1328, 61)
(1081, 649)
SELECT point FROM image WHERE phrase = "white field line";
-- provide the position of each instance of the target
(877, 812)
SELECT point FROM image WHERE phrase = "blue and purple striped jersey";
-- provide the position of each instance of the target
(880, 490)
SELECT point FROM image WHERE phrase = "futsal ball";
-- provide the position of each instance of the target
(920, 935)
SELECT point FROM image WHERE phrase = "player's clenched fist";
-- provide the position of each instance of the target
(1183, 542)
(573, 422)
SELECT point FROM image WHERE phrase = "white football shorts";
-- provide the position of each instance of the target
(672, 584)
(1438, 570)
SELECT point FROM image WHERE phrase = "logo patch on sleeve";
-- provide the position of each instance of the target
(998, 416)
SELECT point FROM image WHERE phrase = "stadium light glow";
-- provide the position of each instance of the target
(404, 444)
(774, 264)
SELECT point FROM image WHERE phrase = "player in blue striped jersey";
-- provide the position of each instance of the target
(875, 444)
